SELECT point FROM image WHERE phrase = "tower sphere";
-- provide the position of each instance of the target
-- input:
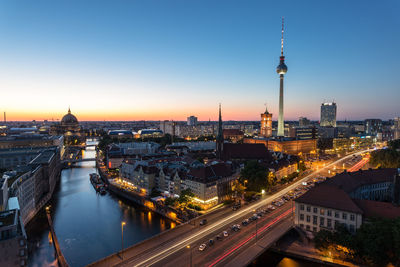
(282, 68)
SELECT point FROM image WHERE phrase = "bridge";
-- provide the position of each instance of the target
(72, 161)
(180, 246)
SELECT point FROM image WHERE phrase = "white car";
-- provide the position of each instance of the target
(202, 247)
(225, 233)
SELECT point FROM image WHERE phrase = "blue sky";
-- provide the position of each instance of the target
(136, 60)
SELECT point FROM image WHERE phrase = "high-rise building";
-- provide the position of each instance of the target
(281, 70)
(373, 126)
(303, 121)
(192, 121)
(266, 124)
(328, 114)
(396, 128)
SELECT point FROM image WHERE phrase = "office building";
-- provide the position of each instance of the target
(373, 126)
(303, 121)
(192, 121)
(328, 115)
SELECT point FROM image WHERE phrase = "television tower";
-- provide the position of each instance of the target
(281, 70)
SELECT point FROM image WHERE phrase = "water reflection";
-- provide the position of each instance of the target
(88, 225)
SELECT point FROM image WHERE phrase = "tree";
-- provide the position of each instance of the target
(185, 195)
(155, 192)
(254, 176)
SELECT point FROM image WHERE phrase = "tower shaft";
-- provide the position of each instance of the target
(281, 123)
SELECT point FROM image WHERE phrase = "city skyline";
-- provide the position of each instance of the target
(139, 61)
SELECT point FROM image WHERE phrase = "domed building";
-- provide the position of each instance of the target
(69, 121)
(69, 127)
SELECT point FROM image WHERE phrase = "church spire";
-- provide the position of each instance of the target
(69, 110)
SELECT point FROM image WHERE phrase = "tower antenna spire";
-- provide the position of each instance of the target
(282, 37)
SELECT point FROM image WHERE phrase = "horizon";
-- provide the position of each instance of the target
(167, 61)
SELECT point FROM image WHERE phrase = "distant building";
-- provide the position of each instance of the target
(396, 128)
(150, 133)
(192, 121)
(287, 145)
(266, 124)
(69, 127)
(349, 199)
(234, 135)
(303, 132)
(303, 121)
(328, 114)
(120, 134)
(373, 126)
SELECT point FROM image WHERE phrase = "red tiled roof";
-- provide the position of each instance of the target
(377, 209)
(329, 196)
(245, 151)
(210, 173)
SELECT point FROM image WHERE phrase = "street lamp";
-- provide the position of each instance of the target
(122, 239)
(188, 246)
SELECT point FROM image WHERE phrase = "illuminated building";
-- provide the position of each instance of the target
(234, 135)
(349, 199)
(328, 114)
(287, 145)
(266, 124)
(373, 126)
(69, 127)
(281, 70)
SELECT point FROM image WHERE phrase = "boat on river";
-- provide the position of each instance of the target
(97, 183)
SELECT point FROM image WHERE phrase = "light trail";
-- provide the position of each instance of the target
(173, 248)
(259, 231)
(359, 165)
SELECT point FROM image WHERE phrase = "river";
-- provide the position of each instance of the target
(88, 225)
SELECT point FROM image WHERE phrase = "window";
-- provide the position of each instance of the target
(308, 208)
(302, 225)
(301, 207)
(321, 221)
(336, 223)
(329, 223)
(314, 229)
(322, 211)
(301, 217)
(315, 210)
(352, 230)
(315, 218)
(344, 216)
(329, 213)
(336, 214)
(352, 217)
(307, 227)
(308, 218)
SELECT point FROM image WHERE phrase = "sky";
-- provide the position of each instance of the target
(158, 60)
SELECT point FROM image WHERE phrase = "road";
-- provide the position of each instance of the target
(155, 256)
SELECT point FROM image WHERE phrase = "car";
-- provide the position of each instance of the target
(245, 222)
(211, 242)
(225, 233)
(219, 237)
(203, 222)
(202, 247)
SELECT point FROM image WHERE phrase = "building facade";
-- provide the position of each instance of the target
(328, 114)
